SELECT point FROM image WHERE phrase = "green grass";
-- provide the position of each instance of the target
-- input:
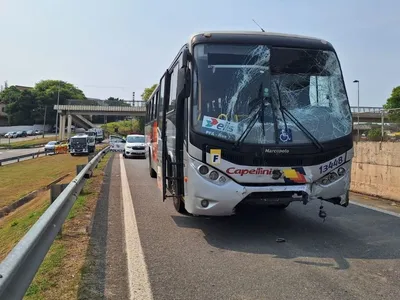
(58, 276)
(42, 281)
(19, 179)
(15, 226)
(124, 127)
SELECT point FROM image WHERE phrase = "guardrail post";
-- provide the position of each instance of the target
(79, 168)
(55, 191)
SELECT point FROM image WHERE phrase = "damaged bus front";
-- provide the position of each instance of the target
(264, 118)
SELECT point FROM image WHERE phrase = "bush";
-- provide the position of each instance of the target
(124, 127)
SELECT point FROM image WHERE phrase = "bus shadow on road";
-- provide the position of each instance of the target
(296, 233)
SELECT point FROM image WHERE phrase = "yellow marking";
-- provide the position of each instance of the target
(215, 156)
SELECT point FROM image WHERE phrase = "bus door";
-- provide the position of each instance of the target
(162, 149)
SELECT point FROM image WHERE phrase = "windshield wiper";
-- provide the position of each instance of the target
(284, 110)
(259, 99)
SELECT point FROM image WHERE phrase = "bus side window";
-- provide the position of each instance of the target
(156, 104)
(148, 112)
(173, 88)
(152, 109)
(160, 104)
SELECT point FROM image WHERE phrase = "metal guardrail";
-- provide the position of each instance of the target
(19, 268)
(367, 109)
(32, 155)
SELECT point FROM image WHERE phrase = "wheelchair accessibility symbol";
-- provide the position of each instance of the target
(286, 135)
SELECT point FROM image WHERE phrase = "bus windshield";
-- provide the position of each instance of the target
(279, 95)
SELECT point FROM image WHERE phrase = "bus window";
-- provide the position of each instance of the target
(173, 89)
(152, 109)
(161, 103)
(156, 104)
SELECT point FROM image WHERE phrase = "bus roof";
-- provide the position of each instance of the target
(272, 38)
(79, 136)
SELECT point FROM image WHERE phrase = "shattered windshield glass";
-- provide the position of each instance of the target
(239, 87)
(77, 141)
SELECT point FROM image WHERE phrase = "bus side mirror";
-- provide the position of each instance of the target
(184, 83)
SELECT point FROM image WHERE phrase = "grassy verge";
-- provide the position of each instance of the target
(59, 275)
(28, 144)
(19, 179)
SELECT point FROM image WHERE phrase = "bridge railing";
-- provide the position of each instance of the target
(95, 102)
(367, 109)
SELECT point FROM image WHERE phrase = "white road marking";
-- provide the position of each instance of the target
(138, 278)
(376, 209)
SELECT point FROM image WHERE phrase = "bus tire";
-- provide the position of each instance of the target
(280, 206)
(153, 173)
(179, 206)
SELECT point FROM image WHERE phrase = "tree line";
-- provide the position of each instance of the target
(27, 106)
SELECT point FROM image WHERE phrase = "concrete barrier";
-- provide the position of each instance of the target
(376, 169)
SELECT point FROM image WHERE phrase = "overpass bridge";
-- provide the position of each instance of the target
(75, 111)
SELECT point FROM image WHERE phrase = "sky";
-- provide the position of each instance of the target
(116, 47)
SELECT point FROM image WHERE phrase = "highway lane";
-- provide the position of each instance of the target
(16, 152)
(4, 140)
(354, 254)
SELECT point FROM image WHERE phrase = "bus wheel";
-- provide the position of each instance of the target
(180, 206)
(153, 173)
(280, 206)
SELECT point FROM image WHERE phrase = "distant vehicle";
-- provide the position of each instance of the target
(135, 146)
(51, 146)
(30, 132)
(117, 143)
(80, 144)
(91, 140)
(21, 133)
(9, 134)
(99, 134)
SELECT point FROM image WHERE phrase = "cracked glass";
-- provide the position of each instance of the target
(283, 95)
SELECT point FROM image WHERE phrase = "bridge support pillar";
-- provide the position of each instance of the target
(62, 126)
(69, 124)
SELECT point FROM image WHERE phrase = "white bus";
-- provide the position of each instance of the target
(250, 117)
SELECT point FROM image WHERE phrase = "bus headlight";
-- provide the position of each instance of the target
(332, 176)
(209, 173)
(213, 175)
(341, 171)
(203, 170)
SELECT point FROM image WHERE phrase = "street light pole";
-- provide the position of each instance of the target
(58, 103)
(44, 119)
(358, 109)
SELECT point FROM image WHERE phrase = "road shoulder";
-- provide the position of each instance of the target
(106, 273)
(375, 202)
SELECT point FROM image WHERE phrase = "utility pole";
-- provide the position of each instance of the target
(58, 103)
(44, 119)
(358, 109)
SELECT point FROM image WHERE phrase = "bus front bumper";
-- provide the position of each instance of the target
(222, 200)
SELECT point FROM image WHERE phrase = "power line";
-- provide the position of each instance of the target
(105, 87)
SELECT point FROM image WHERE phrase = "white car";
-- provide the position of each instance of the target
(135, 146)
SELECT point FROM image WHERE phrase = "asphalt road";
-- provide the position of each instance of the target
(4, 140)
(354, 254)
(16, 152)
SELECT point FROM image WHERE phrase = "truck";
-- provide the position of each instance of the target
(91, 140)
(99, 134)
(250, 118)
(80, 144)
